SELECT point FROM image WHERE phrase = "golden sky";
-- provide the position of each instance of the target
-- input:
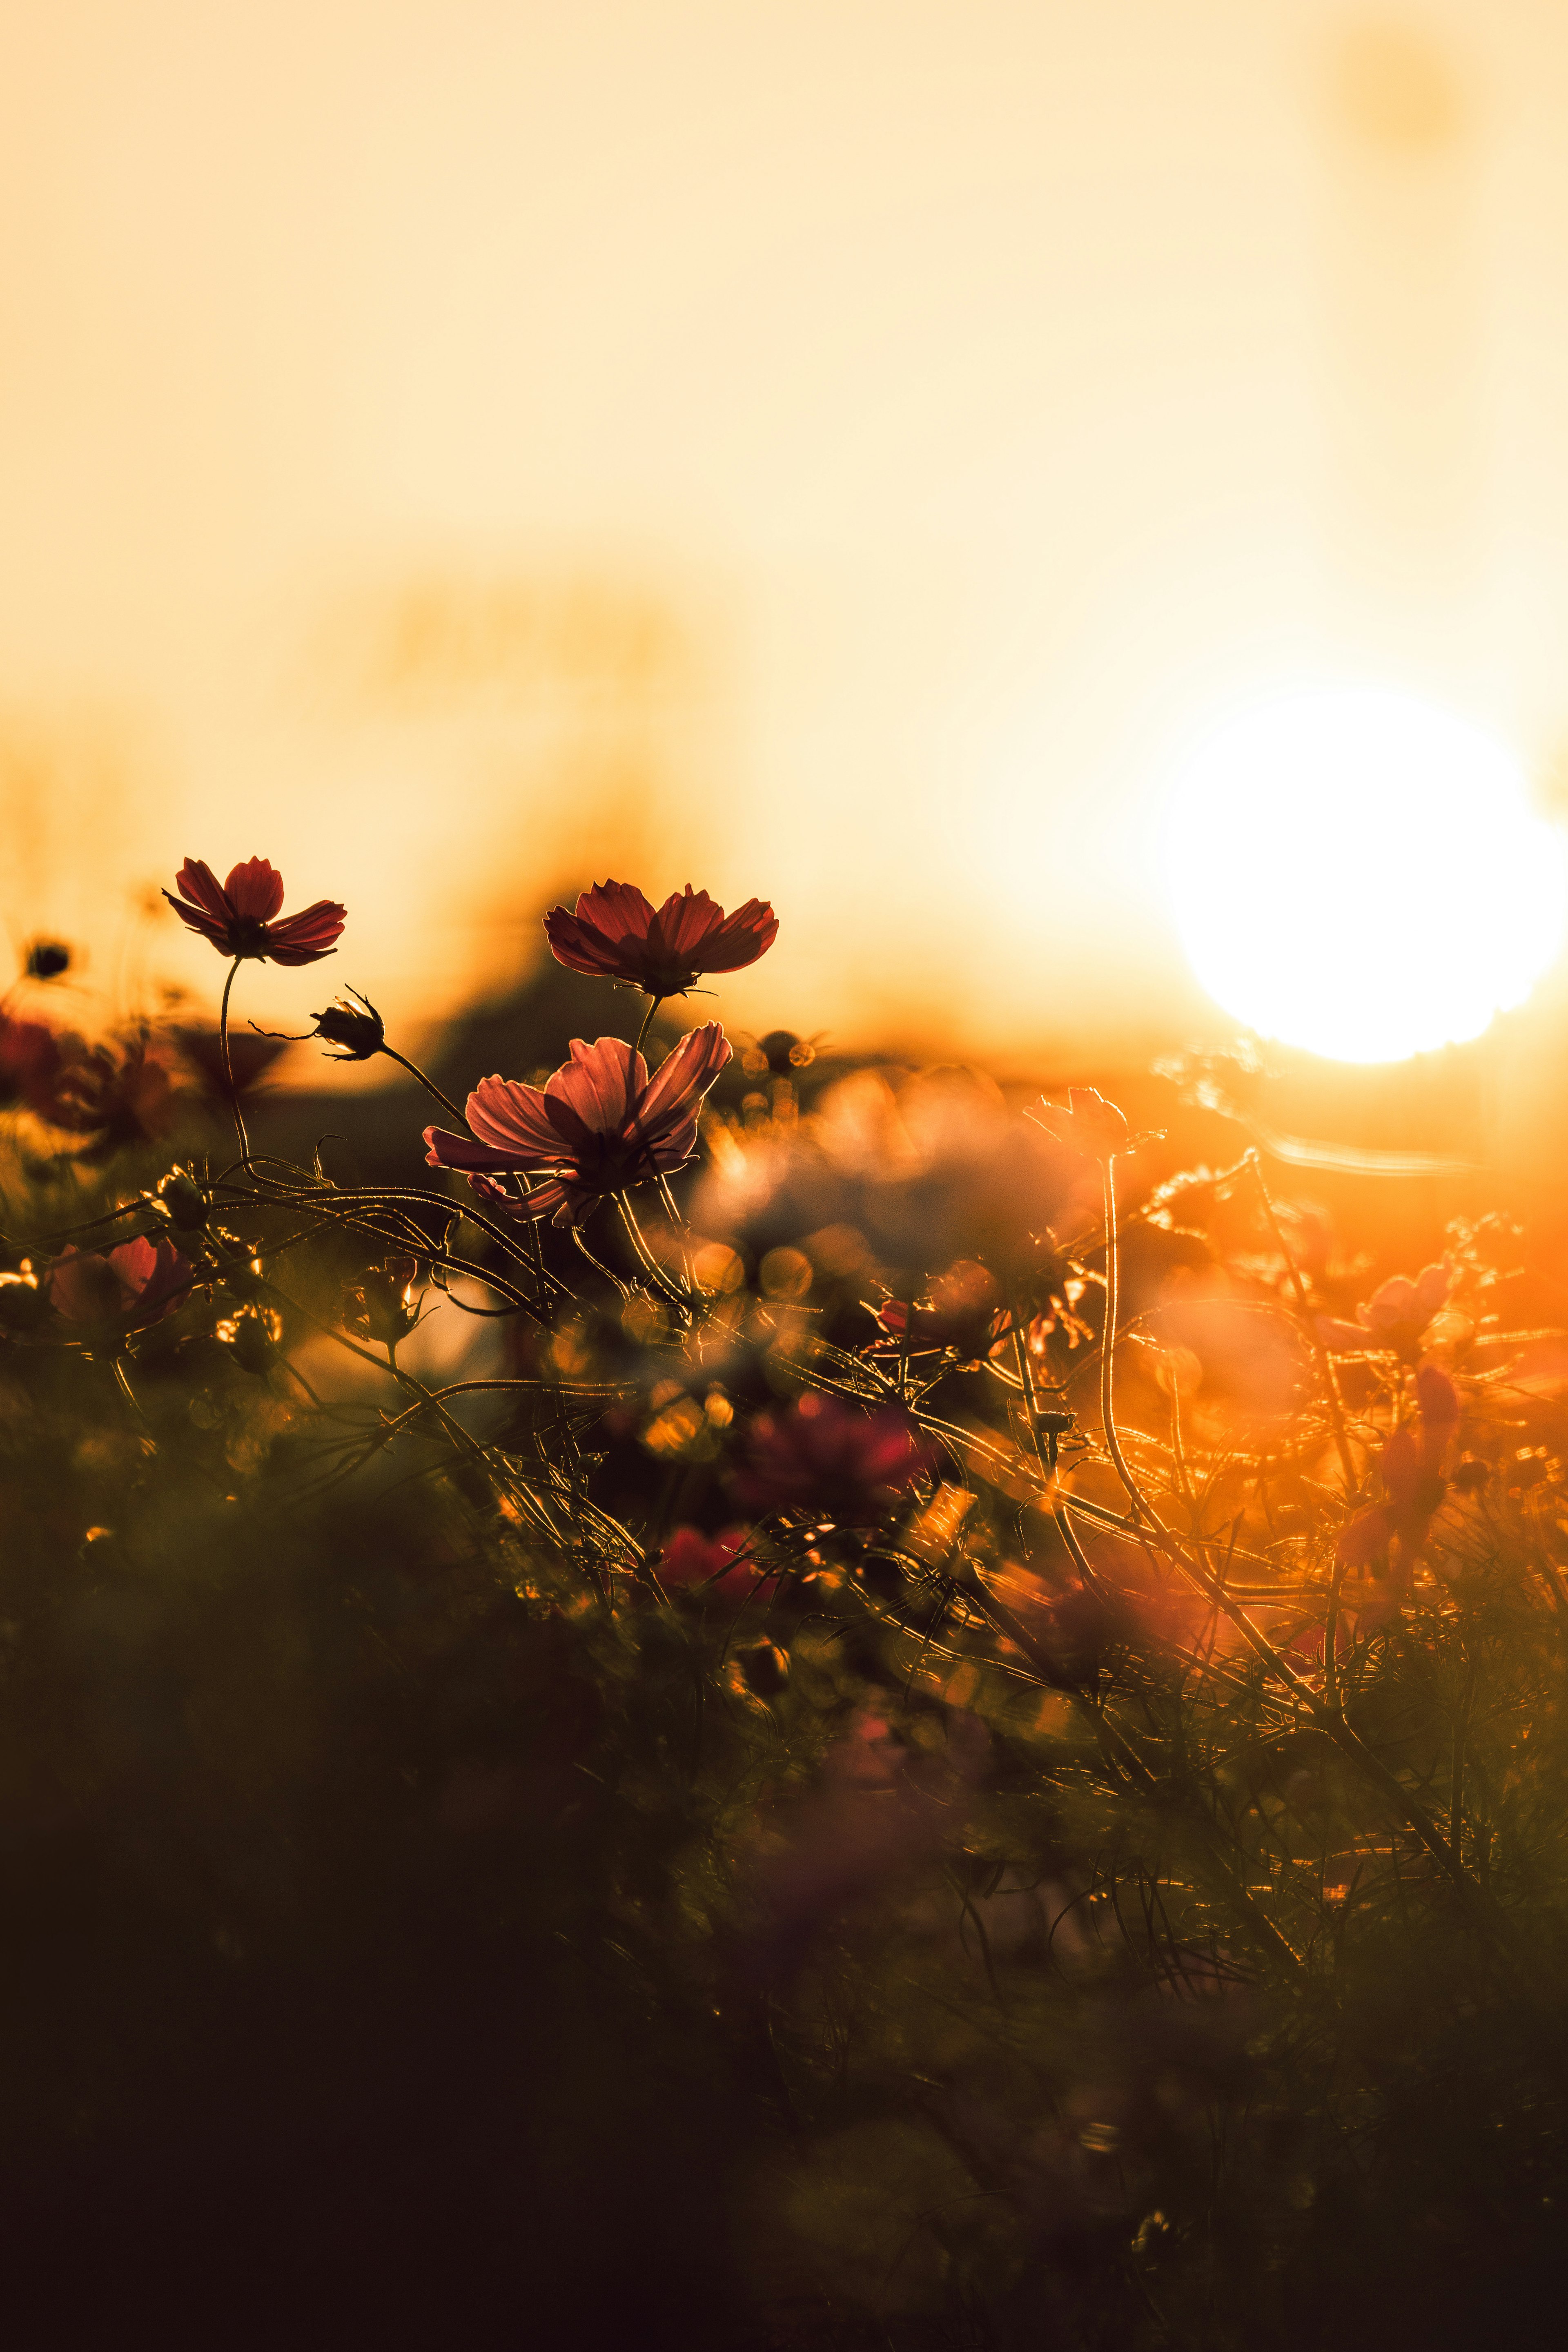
(832, 449)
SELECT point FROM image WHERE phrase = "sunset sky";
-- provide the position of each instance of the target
(837, 452)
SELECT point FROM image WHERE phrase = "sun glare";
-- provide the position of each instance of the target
(1360, 873)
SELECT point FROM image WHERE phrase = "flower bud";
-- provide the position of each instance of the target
(359, 1033)
(766, 1668)
(252, 1341)
(185, 1200)
(384, 1305)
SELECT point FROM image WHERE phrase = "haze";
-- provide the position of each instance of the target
(833, 452)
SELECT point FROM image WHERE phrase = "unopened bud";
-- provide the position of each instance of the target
(361, 1032)
(766, 1668)
(185, 1200)
(252, 1341)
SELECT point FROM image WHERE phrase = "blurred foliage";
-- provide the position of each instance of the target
(741, 1788)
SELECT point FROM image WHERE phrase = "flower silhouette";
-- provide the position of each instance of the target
(357, 1027)
(237, 916)
(826, 1458)
(617, 934)
(600, 1125)
(95, 1293)
(1090, 1123)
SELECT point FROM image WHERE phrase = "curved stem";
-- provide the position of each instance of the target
(228, 1067)
(428, 1084)
(122, 1383)
(1108, 1346)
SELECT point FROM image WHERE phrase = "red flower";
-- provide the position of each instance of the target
(1413, 1482)
(93, 1292)
(237, 916)
(600, 1125)
(722, 1564)
(830, 1459)
(616, 934)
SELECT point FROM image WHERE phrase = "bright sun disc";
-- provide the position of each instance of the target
(1360, 873)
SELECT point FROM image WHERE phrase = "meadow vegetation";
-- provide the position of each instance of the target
(750, 1712)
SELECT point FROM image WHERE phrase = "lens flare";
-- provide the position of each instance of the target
(1360, 873)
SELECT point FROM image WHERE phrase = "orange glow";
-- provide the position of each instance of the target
(826, 453)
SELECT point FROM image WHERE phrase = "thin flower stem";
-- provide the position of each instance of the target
(653, 1004)
(649, 1264)
(122, 1383)
(228, 1070)
(1307, 1323)
(428, 1084)
(1049, 1469)
(597, 1265)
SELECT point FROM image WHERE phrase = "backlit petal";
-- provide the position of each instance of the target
(513, 1119)
(255, 890)
(599, 1083)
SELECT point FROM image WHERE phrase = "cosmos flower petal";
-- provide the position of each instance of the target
(513, 1119)
(444, 1149)
(684, 922)
(197, 881)
(210, 927)
(744, 936)
(600, 1083)
(677, 1086)
(255, 890)
(579, 948)
(616, 911)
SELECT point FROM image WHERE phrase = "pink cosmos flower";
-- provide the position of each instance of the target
(237, 916)
(1413, 1482)
(720, 1564)
(600, 1125)
(93, 1292)
(831, 1459)
(617, 934)
(1394, 1318)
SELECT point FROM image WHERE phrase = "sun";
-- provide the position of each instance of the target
(1359, 872)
